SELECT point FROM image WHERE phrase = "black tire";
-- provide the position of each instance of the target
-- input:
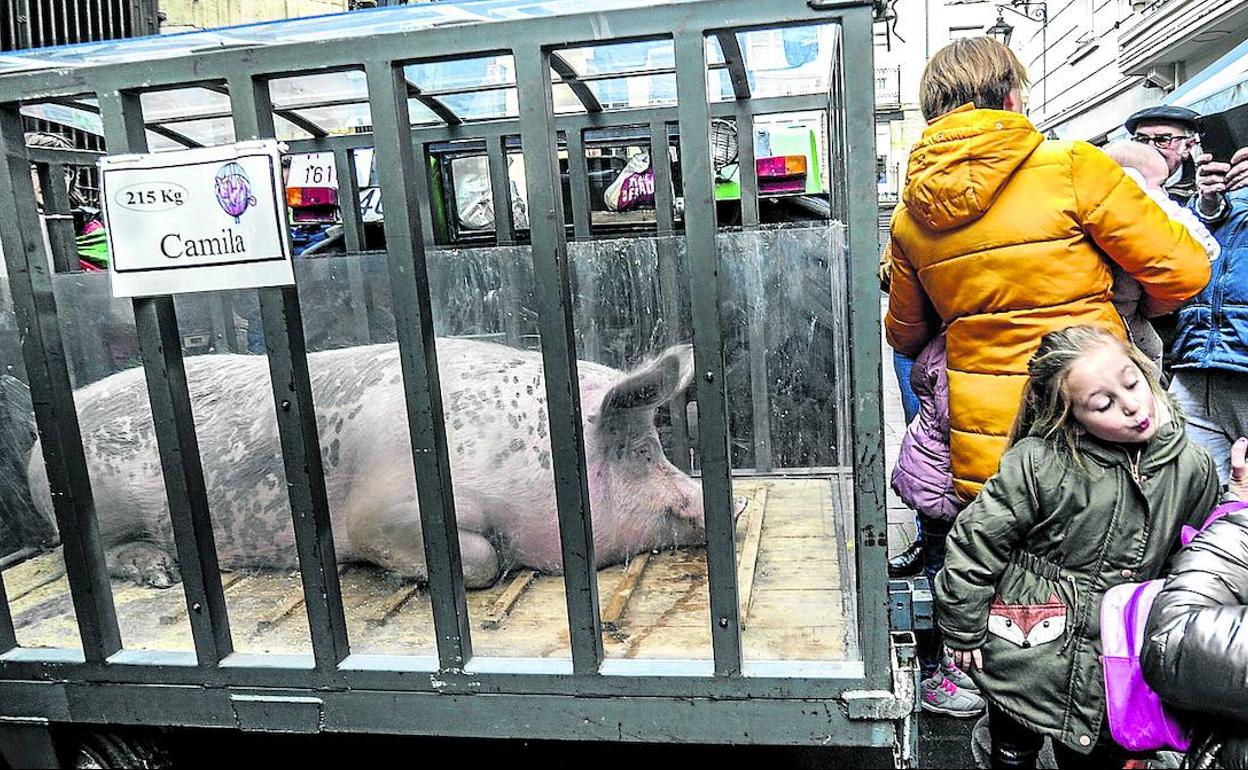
(113, 750)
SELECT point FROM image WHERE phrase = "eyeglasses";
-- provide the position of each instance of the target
(1160, 140)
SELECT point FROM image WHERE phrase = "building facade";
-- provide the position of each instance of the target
(1109, 58)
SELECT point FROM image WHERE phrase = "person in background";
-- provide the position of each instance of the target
(1208, 356)
(910, 561)
(922, 478)
(1195, 654)
(1147, 167)
(90, 235)
(1003, 236)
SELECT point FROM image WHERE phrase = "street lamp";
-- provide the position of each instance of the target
(1032, 10)
(1001, 30)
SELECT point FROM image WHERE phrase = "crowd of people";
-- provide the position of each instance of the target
(1059, 442)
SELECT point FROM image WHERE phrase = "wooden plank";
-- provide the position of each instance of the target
(287, 607)
(23, 579)
(624, 591)
(507, 602)
(747, 563)
(393, 603)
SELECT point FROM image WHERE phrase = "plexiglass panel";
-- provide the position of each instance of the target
(30, 556)
(787, 363)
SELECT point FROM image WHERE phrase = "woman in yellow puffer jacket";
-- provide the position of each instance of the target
(1003, 236)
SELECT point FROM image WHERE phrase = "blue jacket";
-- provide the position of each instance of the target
(1213, 326)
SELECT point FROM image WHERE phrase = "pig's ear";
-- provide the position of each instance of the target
(653, 384)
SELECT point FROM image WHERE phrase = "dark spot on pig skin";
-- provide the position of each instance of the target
(351, 415)
(338, 425)
(333, 453)
(516, 445)
(544, 459)
(514, 420)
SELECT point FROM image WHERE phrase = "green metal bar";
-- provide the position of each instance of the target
(706, 296)
(578, 181)
(430, 229)
(296, 422)
(399, 168)
(568, 74)
(407, 673)
(60, 221)
(43, 352)
(864, 337)
(735, 63)
(563, 395)
(669, 280)
(349, 199)
(747, 171)
(500, 189)
(174, 423)
(8, 637)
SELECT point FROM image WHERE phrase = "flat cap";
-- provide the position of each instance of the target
(1163, 113)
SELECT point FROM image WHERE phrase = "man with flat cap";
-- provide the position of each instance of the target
(1209, 354)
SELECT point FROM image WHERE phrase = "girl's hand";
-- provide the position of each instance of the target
(1239, 469)
(968, 659)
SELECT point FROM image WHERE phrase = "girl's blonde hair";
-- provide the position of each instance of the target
(974, 69)
(1046, 409)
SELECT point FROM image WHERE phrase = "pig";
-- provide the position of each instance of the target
(497, 438)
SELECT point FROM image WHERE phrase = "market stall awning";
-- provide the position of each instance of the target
(1220, 86)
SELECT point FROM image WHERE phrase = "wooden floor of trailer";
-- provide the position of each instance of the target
(793, 553)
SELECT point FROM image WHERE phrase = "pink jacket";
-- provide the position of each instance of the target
(923, 476)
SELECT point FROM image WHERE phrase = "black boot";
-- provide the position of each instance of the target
(907, 563)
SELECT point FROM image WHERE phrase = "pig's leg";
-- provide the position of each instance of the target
(480, 560)
(392, 539)
(145, 563)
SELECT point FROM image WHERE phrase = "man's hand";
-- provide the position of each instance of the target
(1211, 182)
(1237, 176)
(968, 659)
(1239, 469)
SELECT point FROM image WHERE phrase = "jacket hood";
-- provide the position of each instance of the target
(963, 160)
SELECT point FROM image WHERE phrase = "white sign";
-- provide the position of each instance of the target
(313, 169)
(196, 220)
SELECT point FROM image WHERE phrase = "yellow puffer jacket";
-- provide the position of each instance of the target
(1003, 236)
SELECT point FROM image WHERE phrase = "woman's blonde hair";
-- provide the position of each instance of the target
(975, 69)
(1046, 409)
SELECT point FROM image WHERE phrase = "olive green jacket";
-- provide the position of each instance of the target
(1030, 559)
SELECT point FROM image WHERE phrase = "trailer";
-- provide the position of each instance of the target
(775, 631)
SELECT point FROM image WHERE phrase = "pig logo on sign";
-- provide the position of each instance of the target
(233, 190)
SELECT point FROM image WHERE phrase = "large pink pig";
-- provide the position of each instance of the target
(497, 427)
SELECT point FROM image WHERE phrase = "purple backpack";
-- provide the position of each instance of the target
(1137, 719)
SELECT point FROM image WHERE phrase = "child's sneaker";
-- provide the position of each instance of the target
(960, 678)
(941, 696)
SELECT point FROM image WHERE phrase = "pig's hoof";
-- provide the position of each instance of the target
(145, 564)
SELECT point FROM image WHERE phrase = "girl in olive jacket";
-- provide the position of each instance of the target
(1093, 491)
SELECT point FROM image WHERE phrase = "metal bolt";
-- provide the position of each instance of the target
(285, 405)
(197, 607)
(723, 622)
(709, 376)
